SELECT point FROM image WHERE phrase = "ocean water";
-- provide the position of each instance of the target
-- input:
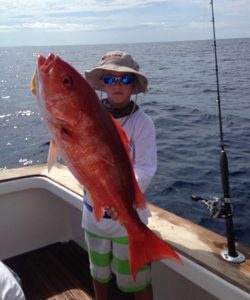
(181, 101)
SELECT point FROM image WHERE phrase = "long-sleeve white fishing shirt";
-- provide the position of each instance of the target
(140, 131)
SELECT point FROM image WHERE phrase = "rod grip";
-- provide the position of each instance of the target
(224, 174)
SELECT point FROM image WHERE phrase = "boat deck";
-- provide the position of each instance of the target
(56, 272)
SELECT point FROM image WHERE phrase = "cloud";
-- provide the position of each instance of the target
(14, 7)
(47, 26)
(63, 15)
(165, 18)
(60, 15)
(67, 27)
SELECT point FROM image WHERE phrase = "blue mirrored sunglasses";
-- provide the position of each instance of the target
(124, 79)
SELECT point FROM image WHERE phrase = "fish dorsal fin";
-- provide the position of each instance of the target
(121, 132)
(139, 201)
(52, 155)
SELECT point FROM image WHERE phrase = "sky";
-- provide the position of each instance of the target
(76, 22)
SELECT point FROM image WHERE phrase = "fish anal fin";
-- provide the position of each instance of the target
(97, 209)
(52, 155)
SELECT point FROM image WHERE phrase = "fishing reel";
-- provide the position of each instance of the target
(215, 206)
(222, 209)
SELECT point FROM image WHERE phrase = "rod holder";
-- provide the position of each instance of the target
(240, 258)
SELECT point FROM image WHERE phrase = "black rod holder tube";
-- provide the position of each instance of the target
(227, 204)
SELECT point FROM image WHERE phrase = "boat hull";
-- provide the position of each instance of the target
(38, 209)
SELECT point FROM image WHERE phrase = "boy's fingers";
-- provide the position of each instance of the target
(112, 212)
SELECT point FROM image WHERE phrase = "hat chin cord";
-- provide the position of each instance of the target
(133, 109)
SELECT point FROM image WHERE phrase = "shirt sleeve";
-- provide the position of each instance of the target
(144, 152)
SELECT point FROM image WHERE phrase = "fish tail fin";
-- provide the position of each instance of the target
(147, 248)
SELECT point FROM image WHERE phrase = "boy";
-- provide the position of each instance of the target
(119, 77)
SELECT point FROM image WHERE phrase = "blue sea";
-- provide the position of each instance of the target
(181, 101)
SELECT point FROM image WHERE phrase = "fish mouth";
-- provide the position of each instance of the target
(46, 64)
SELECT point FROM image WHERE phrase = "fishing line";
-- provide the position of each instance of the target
(217, 80)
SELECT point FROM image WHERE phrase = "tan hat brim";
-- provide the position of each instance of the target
(94, 77)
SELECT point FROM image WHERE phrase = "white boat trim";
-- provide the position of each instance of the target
(41, 182)
(209, 281)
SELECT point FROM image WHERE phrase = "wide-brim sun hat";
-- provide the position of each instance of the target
(117, 61)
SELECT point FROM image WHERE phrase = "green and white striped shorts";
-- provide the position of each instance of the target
(108, 255)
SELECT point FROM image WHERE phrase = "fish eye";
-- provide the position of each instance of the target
(67, 81)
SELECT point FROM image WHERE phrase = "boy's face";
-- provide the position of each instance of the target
(118, 94)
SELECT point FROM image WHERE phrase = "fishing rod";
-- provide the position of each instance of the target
(222, 208)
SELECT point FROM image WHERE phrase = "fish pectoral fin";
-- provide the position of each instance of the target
(52, 155)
